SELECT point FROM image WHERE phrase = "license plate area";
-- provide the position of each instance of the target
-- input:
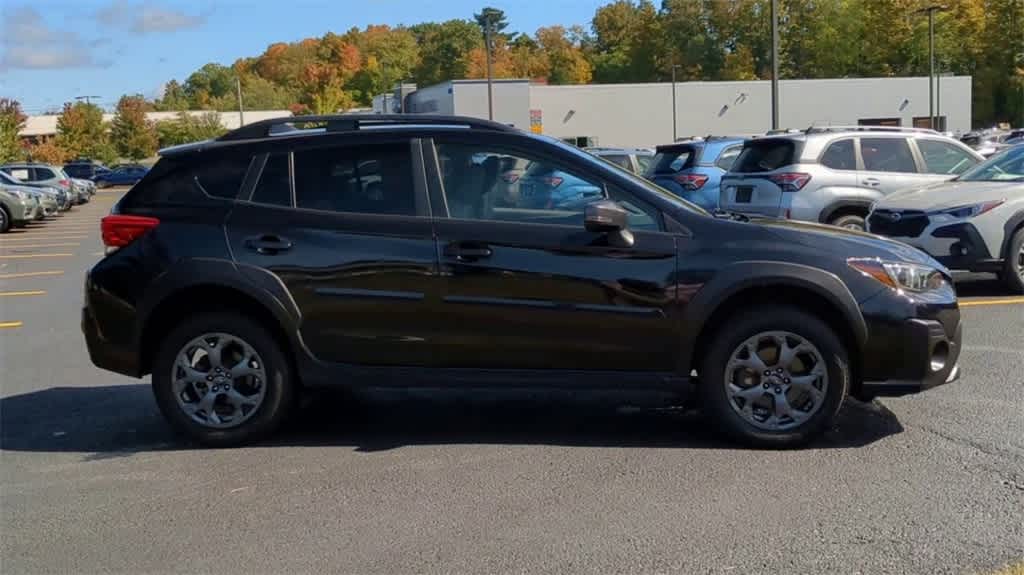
(744, 194)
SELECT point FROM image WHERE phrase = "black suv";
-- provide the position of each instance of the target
(367, 251)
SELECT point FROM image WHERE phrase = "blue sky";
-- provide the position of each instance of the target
(54, 50)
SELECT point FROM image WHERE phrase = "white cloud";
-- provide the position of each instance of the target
(28, 42)
(147, 17)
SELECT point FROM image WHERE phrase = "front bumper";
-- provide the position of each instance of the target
(914, 356)
(956, 244)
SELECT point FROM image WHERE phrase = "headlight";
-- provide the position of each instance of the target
(968, 211)
(900, 275)
(18, 194)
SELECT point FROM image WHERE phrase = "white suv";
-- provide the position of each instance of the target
(834, 174)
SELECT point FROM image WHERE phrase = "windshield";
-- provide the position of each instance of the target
(1007, 166)
(654, 189)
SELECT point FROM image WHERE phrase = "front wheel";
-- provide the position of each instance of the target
(850, 222)
(1013, 266)
(774, 377)
(222, 380)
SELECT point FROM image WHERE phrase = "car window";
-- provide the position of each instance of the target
(670, 161)
(765, 155)
(728, 157)
(44, 174)
(944, 158)
(373, 179)
(1007, 166)
(840, 156)
(620, 160)
(23, 174)
(643, 162)
(887, 155)
(545, 193)
(274, 186)
(222, 177)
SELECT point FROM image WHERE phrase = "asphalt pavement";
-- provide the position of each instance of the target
(92, 480)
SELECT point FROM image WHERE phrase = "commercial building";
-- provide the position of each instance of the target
(44, 127)
(641, 114)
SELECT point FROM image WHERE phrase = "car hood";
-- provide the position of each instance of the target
(947, 195)
(854, 244)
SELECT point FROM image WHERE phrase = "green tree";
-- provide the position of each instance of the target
(208, 83)
(187, 128)
(444, 50)
(132, 135)
(628, 42)
(568, 64)
(12, 120)
(80, 131)
(491, 17)
(258, 93)
(173, 98)
(388, 56)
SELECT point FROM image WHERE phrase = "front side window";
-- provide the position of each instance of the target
(370, 179)
(944, 158)
(1005, 167)
(274, 185)
(840, 156)
(887, 155)
(44, 174)
(477, 185)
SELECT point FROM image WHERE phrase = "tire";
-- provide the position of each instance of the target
(851, 222)
(724, 409)
(5, 220)
(277, 383)
(1013, 263)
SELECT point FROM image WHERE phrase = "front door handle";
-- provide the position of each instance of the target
(268, 244)
(467, 251)
(873, 182)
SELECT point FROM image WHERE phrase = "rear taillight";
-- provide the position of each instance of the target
(553, 181)
(120, 230)
(65, 183)
(691, 181)
(510, 177)
(790, 182)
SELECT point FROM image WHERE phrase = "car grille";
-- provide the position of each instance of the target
(898, 223)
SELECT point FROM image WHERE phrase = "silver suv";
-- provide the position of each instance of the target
(833, 174)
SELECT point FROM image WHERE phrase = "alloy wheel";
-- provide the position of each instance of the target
(219, 380)
(1020, 262)
(776, 380)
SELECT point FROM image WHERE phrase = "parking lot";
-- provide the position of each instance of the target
(93, 480)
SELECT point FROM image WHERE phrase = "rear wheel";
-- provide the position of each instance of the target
(222, 380)
(774, 377)
(5, 220)
(850, 222)
(1013, 265)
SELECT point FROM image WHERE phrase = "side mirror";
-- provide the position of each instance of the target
(605, 216)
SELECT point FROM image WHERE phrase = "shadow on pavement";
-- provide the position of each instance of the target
(119, 420)
(980, 285)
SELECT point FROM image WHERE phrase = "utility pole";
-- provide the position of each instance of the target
(931, 10)
(241, 111)
(490, 74)
(775, 64)
(675, 135)
(88, 99)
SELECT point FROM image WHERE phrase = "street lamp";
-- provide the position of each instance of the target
(490, 73)
(931, 10)
(775, 64)
(675, 135)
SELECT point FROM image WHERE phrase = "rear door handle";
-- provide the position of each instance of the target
(873, 182)
(467, 251)
(268, 244)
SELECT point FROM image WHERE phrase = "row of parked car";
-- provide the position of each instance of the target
(102, 176)
(918, 186)
(30, 192)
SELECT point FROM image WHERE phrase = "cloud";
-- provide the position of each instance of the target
(147, 17)
(28, 42)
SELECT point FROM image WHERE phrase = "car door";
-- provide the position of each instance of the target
(888, 164)
(345, 227)
(526, 286)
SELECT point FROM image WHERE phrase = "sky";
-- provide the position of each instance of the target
(52, 51)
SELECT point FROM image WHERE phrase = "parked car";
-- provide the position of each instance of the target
(693, 169)
(832, 175)
(85, 188)
(62, 198)
(18, 206)
(121, 176)
(636, 160)
(84, 169)
(240, 267)
(974, 223)
(47, 175)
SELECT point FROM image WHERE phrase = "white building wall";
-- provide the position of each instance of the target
(436, 99)
(511, 101)
(641, 114)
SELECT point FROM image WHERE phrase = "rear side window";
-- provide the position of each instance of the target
(887, 155)
(222, 177)
(727, 158)
(44, 174)
(840, 156)
(183, 181)
(274, 187)
(619, 160)
(671, 160)
(374, 179)
(765, 155)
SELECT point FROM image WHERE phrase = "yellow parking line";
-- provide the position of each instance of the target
(22, 293)
(35, 246)
(47, 236)
(30, 275)
(30, 256)
(9, 324)
(1005, 301)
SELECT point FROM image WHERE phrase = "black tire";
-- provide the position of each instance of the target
(1013, 267)
(747, 324)
(850, 221)
(5, 220)
(280, 386)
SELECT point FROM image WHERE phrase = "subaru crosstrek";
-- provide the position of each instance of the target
(366, 251)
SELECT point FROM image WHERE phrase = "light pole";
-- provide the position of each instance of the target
(675, 134)
(88, 99)
(241, 110)
(490, 84)
(775, 64)
(931, 10)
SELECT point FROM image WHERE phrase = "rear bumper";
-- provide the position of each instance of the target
(916, 356)
(104, 354)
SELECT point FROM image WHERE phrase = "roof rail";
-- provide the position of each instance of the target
(859, 128)
(354, 122)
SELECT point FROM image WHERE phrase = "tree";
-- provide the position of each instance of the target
(187, 128)
(445, 50)
(131, 133)
(208, 83)
(259, 93)
(47, 153)
(627, 40)
(492, 18)
(80, 131)
(568, 64)
(173, 98)
(389, 56)
(12, 120)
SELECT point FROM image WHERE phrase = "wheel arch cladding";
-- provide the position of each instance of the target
(856, 207)
(747, 284)
(1016, 222)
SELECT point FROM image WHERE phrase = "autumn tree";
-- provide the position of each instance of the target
(444, 50)
(324, 81)
(47, 153)
(81, 133)
(12, 120)
(388, 56)
(568, 64)
(131, 133)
